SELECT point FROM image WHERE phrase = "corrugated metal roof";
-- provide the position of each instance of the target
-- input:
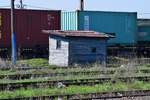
(74, 33)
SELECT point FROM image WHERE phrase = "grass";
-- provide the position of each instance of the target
(120, 71)
(114, 62)
(81, 71)
(147, 65)
(126, 70)
(35, 62)
(105, 87)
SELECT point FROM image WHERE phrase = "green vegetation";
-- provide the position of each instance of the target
(101, 72)
(35, 62)
(114, 71)
(113, 62)
(147, 65)
(78, 71)
(42, 71)
(105, 87)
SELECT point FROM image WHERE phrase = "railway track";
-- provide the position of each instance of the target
(28, 67)
(120, 95)
(29, 75)
(54, 83)
(51, 73)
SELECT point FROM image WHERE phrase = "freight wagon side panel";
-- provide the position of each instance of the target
(50, 20)
(69, 20)
(4, 28)
(28, 27)
(122, 24)
(23, 25)
(144, 33)
(30, 24)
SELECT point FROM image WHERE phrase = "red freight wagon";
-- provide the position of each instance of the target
(28, 28)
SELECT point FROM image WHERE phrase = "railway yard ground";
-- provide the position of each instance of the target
(120, 79)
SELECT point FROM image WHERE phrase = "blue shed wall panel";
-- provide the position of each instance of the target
(124, 25)
(143, 33)
(80, 50)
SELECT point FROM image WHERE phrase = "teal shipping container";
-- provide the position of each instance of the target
(144, 30)
(122, 24)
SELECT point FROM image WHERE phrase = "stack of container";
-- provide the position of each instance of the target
(123, 25)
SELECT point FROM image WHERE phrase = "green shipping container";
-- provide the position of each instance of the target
(69, 20)
(144, 30)
(122, 24)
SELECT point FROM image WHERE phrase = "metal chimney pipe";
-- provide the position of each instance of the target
(81, 5)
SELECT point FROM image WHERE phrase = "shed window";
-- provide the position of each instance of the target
(58, 44)
(93, 50)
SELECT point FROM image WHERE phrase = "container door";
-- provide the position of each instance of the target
(35, 28)
(47, 23)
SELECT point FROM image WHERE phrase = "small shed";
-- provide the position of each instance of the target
(77, 47)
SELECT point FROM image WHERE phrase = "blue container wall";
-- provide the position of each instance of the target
(124, 25)
(69, 20)
(143, 33)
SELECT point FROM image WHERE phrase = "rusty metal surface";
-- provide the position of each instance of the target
(73, 33)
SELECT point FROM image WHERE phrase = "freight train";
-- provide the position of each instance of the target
(131, 36)
(28, 29)
(144, 37)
